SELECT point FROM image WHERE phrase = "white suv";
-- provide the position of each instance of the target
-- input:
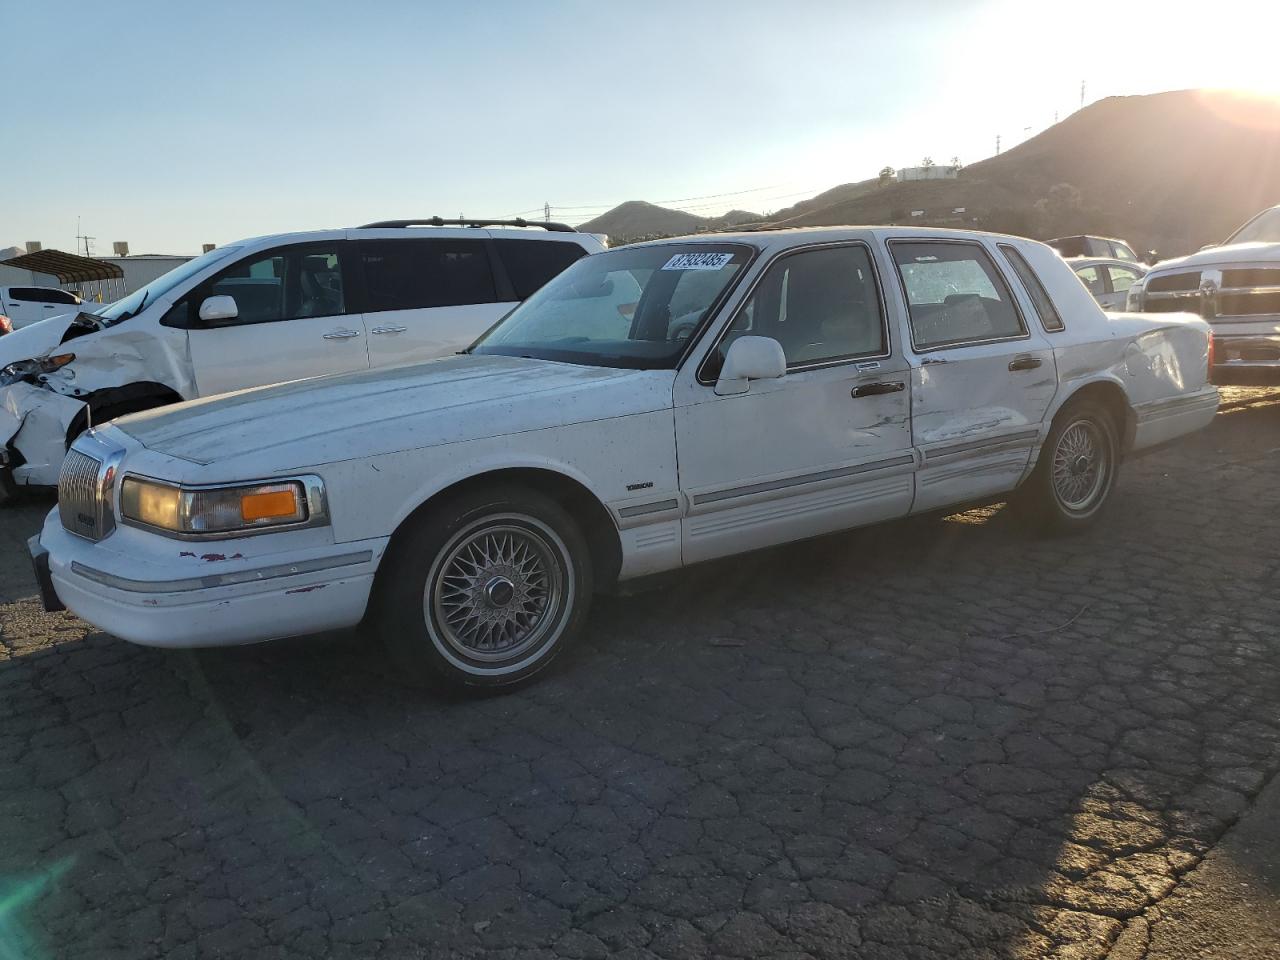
(267, 310)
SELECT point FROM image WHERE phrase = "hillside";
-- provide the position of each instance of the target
(1169, 171)
(637, 218)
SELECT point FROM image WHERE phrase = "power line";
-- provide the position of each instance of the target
(676, 200)
(588, 212)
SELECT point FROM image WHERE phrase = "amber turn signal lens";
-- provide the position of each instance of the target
(276, 504)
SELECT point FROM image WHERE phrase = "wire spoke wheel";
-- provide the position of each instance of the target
(497, 590)
(1081, 466)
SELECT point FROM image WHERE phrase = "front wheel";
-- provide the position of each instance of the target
(485, 590)
(1076, 472)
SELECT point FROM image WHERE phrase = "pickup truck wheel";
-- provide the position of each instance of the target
(1076, 472)
(485, 591)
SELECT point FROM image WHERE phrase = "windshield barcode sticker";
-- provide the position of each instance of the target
(698, 261)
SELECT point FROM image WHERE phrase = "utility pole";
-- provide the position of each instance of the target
(81, 236)
(1081, 93)
(546, 212)
(997, 144)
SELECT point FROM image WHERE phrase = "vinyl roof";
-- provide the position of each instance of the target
(67, 267)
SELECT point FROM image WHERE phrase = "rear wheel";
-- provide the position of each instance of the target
(485, 590)
(1076, 472)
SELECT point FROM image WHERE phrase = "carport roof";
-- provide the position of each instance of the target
(67, 267)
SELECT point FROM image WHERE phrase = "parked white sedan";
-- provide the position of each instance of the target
(762, 388)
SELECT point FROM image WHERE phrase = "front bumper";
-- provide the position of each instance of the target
(1243, 354)
(34, 423)
(206, 599)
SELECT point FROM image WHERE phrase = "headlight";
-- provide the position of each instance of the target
(29, 369)
(218, 511)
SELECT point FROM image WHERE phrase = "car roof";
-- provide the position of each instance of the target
(766, 240)
(520, 233)
(1088, 236)
(1077, 263)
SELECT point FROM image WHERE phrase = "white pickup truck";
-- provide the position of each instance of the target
(1235, 286)
(24, 306)
(761, 388)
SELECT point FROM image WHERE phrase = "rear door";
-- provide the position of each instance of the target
(982, 378)
(427, 297)
(294, 319)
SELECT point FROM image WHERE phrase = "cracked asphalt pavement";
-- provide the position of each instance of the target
(934, 739)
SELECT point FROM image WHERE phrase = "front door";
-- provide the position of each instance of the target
(982, 378)
(293, 320)
(824, 448)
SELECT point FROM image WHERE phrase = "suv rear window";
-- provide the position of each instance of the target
(413, 274)
(531, 263)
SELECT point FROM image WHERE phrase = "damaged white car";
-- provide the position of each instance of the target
(754, 389)
(267, 310)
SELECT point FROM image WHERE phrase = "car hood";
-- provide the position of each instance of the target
(323, 420)
(35, 339)
(1234, 253)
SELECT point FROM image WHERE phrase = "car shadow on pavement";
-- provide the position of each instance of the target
(931, 739)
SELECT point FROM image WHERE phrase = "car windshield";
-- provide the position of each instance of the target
(1264, 228)
(634, 307)
(129, 306)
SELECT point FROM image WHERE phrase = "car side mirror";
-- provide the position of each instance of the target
(221, 307)
(750, 358)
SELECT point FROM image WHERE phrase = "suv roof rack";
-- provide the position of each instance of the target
(438, 222)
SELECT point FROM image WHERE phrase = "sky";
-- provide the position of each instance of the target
(173, 124)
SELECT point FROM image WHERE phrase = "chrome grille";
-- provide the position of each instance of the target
(79, 503)
(1174, 283)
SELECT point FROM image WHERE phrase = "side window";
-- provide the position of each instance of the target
(1097, 248)
(821, 305)
(955, 295)
(42, 295)
(1122, 252)
(415, 274)
(531, 263)
(1048, 313)
(1092, 278)
(286, 284)
(1122, 278)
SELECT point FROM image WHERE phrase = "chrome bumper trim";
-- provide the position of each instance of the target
(220, 579)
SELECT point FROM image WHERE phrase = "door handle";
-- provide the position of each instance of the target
(1024, 363)
(341, 334)
(877, 389)
(396, 329)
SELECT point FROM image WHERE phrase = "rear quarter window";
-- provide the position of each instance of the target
(531, 263)
(1040, 299)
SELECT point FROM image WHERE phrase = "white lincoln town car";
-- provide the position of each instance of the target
(652, 407)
